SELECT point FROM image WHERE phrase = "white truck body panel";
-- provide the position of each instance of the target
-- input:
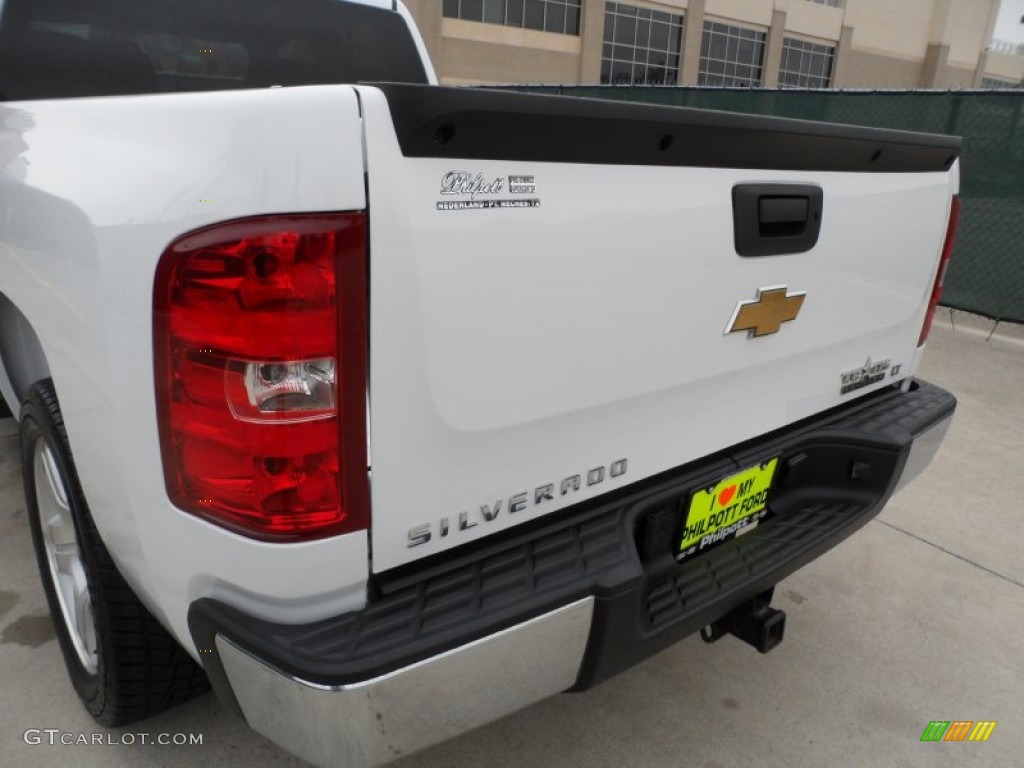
(482, 386)
(191, 159)
(516, 347)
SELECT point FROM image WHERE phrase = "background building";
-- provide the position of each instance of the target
(797, 43)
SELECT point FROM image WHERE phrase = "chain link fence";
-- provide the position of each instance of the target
(987, 272)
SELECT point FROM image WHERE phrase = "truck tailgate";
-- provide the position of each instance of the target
(553, 282)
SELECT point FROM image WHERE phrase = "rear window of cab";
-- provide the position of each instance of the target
(68, 48)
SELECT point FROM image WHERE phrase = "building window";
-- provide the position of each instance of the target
(829, 3)
(731, 56)
(806, 65)
(641, 47)
(995, 82)
(561, 16)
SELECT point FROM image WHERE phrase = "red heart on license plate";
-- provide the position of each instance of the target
(726, 495)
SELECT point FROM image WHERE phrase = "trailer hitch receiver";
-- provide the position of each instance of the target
(754, 622)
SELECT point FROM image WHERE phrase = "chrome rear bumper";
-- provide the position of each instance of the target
(923, 450)
(382, 719)
(444, 648)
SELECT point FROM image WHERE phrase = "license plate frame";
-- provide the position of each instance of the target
(733, 506)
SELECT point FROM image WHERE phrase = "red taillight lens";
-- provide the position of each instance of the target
(260, 351)
(940, 276)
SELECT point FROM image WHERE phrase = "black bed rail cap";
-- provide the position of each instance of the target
(480, 124)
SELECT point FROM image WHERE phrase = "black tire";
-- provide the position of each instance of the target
(140, 669)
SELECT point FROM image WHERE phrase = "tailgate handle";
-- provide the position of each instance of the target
(773, 219)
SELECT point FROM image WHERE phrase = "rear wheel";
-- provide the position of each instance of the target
(122, 662)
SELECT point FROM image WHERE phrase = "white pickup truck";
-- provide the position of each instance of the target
(390, 409)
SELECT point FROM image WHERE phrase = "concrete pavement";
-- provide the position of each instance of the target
(918, 617)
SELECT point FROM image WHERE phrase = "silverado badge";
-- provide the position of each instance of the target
(766, 314)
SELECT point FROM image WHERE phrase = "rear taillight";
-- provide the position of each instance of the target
(940, 276)
(260, 352)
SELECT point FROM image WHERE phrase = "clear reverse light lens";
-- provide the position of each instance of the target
(306, 385)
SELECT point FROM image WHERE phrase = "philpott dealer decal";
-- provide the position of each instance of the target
(474, 192)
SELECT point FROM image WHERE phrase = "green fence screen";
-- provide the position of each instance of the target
(987, 272)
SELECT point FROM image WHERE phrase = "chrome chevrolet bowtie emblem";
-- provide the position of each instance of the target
(766, 314)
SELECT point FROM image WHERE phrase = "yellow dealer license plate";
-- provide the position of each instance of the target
(731, 507)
